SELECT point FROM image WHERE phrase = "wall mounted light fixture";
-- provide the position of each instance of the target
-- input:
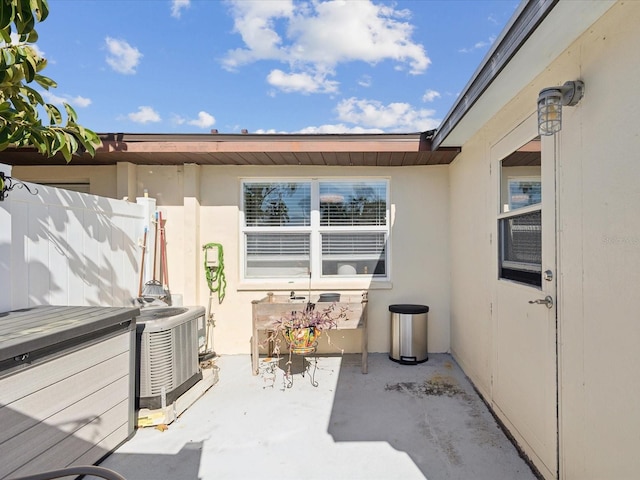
(550, 102)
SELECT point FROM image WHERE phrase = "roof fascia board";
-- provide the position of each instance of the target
(561, 26)
(205, 143)
(308, 145)
(522, 24)
(261, 137)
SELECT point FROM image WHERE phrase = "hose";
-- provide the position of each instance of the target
(215, 275)
(217, 284)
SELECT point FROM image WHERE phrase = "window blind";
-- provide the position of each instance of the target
(369, 245)
(521, 241)
(269, 244)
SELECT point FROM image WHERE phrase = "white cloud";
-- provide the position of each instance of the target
(301, 82)
(478, 45)
(327, 128)
(339, 128)
(144, 115)
(392, 117)
(177, 6)
(122, 57)
(365, 81)
(255, 22)
(178, 120)
(430, 96)
(204, 120)
(314, 37)
(77, 101)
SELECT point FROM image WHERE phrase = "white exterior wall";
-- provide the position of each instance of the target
(68, 248)
(598, 269)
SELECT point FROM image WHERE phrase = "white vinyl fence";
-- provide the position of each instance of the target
(60, 247)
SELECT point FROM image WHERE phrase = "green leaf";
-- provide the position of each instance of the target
(55, 117)
(17, 135)
(32, 37)
(33, 95)
(66, 152)
(57, 141)
(71, 141)
(18, 104)
(6, 34)
(45, 82)
(24, 20)
(85, 138)
(41, 8)
(20, 52)
(5, 133)
(29, 69)
(73, 116)
(6, 13)
(40, 142)
(8, 57)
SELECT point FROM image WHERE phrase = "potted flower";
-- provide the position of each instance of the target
(302, 328)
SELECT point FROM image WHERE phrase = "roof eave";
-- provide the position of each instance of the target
(538, 33)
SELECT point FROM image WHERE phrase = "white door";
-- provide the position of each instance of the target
(524, 383)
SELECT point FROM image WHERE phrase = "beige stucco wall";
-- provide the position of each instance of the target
(598, 249)
(471, 255)
(201, 205)
(600, 255)
(419, 253)
(102, 179)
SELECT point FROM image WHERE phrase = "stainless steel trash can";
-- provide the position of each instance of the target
(408, 333)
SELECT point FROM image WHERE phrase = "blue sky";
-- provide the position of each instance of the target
(189, 66)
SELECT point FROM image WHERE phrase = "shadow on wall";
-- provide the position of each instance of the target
(72, 248)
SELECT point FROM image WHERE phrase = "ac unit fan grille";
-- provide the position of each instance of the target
(161, 354)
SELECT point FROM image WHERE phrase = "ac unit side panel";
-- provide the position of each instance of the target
(168, 361)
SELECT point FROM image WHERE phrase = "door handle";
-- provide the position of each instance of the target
(547, 301)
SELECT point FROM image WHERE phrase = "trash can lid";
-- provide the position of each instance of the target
(408, 308)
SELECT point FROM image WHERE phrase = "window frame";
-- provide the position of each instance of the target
(526, 273)
(315, 230)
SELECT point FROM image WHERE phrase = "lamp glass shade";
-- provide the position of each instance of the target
(549, 111)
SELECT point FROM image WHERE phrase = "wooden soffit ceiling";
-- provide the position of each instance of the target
(366, 150)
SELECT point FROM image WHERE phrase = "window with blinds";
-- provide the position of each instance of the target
(521, 248)
(520, 217)
(329, 227)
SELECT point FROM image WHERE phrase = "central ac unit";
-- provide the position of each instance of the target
(168, 354)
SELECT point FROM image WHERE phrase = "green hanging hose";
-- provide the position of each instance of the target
(215, 274)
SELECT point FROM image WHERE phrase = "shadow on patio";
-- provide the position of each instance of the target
(410, 422)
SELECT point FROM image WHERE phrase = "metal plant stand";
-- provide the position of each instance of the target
(306, 366)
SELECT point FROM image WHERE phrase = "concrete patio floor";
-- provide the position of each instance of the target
(398, 421)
